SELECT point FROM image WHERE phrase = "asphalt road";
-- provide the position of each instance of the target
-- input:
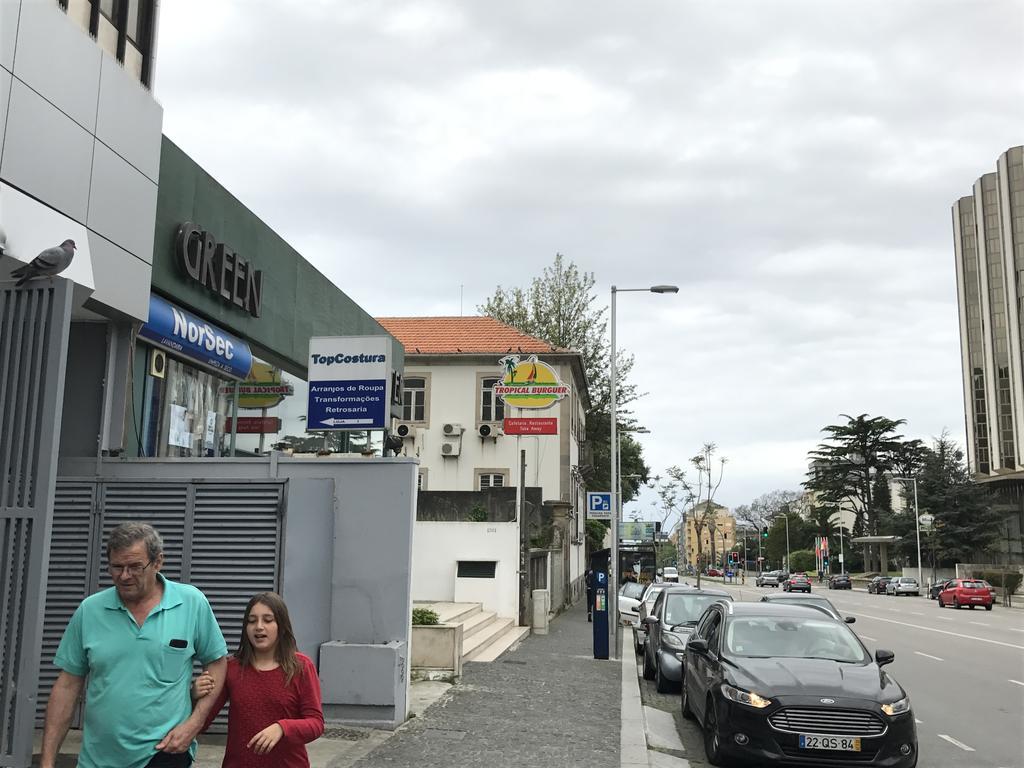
(964, 671)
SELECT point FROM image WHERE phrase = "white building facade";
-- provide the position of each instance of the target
(454, 424)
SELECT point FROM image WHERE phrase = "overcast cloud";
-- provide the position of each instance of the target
(790, 165)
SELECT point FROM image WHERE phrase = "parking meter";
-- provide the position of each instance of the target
(600, 613)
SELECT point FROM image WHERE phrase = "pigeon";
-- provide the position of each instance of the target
(50, 262)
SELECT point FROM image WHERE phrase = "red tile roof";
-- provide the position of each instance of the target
(461, 335)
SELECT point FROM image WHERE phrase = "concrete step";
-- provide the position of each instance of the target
(477, 623)
(450, 613)
(484, 637)
(502, 642)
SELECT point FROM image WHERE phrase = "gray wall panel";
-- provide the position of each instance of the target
(308, 555)
(57, 60)
(122, 281)
(9, 12)
(373, 552)
(46, 153)
(5, 93)
(83, 389)
(122, 203)
(129, 120)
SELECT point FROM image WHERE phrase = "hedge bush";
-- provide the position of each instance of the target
(424, 617)
(1008, 580)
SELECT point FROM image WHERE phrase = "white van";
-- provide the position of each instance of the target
(670, 574)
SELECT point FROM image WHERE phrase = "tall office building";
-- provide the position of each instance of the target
(988, 236)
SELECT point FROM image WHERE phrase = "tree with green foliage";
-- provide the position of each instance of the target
(562, 308)
(967, 524)
(846, 468)
(595, 533)
(803, 560)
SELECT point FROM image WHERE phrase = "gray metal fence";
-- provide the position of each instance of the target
(34, 327)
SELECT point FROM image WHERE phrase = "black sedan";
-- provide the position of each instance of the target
(669, 624)
(877, 585)
(783, 684)
(823, 604)
(840, 581)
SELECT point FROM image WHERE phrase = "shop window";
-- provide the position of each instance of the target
(183, 411)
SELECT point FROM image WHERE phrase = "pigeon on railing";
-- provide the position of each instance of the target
(50, 262)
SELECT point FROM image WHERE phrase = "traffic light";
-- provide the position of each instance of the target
(825, 561)
(764, 532)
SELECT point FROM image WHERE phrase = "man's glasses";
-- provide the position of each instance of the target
(131, 570)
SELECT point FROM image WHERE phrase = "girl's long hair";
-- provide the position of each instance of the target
(284, 652)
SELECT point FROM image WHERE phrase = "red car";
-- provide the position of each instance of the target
(969, 592)
(715, 572)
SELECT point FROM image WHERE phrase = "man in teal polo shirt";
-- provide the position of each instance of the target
(135, 642)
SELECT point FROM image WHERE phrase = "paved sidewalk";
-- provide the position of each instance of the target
(547, 703)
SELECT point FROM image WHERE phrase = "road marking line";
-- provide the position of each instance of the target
(916, 613)
(940, 631)
(943, 618)
(980, 623)
(956, 743)
(872, 639)
(928, 656)
(1013, 629)
(919, 722)
(1018, 682)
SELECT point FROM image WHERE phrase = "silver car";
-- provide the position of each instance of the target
(903, 585)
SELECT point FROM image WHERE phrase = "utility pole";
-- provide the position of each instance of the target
(524, 541)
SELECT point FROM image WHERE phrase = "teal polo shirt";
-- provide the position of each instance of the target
(138, 686)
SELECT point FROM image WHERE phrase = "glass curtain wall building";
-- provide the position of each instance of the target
(988, 238)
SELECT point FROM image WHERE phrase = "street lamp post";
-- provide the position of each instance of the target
(613, 566)
(786, 516)
(917, 526)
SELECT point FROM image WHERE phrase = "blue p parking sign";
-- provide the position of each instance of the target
(599, 505)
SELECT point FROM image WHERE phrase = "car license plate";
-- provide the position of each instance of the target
(834, 743)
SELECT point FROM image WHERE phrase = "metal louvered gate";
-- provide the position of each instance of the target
(223, 537)
(34, 328)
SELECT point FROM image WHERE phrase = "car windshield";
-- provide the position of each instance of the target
(974, 585)
(632, 589)
(793, 637)
(653, 593)
(909, 581)
(687, 609)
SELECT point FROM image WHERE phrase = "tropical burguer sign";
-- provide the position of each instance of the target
(529, 383)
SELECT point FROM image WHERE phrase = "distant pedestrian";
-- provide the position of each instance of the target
(135, 643)
(274, 692)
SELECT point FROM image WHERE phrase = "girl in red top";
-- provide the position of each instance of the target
(273, 689)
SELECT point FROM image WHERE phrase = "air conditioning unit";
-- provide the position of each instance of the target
(452, 430)
(487, 430)
(404, 431)
(451, 447)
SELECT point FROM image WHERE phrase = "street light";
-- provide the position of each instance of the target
(786, 516)
(613, 566)
(917, 526)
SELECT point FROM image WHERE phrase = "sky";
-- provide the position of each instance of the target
(790, 165)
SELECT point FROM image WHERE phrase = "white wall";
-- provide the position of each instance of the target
(453, 399)
(437, 548)
(80, 155)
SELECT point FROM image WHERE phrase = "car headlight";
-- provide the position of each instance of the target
(749, 698)
(897, 707)
(673, 641)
